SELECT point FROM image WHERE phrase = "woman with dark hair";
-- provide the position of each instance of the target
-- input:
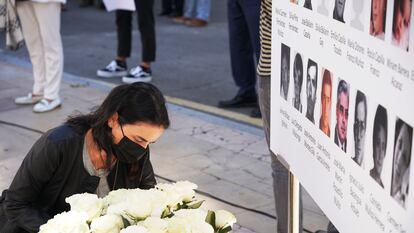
(379, 143)
(105, 150)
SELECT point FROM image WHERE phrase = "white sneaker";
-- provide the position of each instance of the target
(113, 69)
(46, 106)
(137, 74)
(28, 99)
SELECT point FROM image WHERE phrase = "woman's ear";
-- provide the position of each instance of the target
(113, 120)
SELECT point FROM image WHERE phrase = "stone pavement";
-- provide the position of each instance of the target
(226, 159)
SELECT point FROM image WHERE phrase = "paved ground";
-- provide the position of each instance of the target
(226, 159)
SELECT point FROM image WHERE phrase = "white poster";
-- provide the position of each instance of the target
(111, 5)
(343, 107)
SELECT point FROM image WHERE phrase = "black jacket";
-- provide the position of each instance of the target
(53, 170)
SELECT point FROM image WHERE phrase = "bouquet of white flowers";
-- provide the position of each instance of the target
(168, 208)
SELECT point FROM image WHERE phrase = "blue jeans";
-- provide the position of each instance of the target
(243, 17)
(199, 9)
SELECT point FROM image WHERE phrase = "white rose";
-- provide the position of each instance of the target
(116, 196)
(67, 222)
(174, 196)
(155, 225)
(158, 202)
(107, 224)
(186, 190)
(224, 218)
(178, 225)
(89, 203)
(135, 229)
(135, 206)
(201, 227)
(196, 215)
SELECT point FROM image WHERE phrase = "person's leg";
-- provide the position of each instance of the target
(48, 15)
(32, 37)
(251, 12)
(241, 52)
(189, 8)
(179, 7)
(166, 6)
(146, 26)
(124, 32)
(279, 173)
(203, 9)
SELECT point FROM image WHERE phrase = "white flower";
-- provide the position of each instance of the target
(178, 225)
(185, 223)
(67, 222)
(224, 218)
(135, 229)
(177, 193)
(155, 225)
(196, 215)
(116, 196)
(136, 205)
(186, 189)
(89, 203)
(201, 227)
(107, 224)
(173, 195)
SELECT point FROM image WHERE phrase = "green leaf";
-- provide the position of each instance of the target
(195, 205)
(167, 213)
(126, 222)
(211, 219)
(225, 229)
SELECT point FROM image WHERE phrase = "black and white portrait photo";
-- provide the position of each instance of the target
(311, 84)
(379, 143)
(297, 81)
(338, 12)
(401, 162)
(360, 126)
(284, 71)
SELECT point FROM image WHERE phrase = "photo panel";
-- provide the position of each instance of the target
(284, 71)
(358, 124)
(341, 106)
(401, 162)
(401, 23)
(378, 18)
(326, 100)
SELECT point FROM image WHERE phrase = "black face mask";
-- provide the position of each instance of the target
(128, 151)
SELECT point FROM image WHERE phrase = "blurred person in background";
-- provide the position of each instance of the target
(197, 13)
(40, 22)
(146, 25)
(172, 8)
(280, 173)
(243, 18)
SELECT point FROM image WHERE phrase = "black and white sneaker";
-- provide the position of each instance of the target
(138, 74)
(113, 69)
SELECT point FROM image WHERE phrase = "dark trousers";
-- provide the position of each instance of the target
(146, 26)
(243, 19)
(176, 6)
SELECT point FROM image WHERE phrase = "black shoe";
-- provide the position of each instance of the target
(255, 113)
(238, 102)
